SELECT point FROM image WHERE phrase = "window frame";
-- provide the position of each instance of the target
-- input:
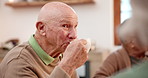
(117, 5)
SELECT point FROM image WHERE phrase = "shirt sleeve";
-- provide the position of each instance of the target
(18, 68)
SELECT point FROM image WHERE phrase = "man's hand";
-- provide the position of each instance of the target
(74, 56)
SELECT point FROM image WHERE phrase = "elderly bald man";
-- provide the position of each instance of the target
(48, 53)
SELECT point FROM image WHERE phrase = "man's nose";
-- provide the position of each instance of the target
(72, 34)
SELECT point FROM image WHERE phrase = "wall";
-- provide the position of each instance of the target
(95, 22)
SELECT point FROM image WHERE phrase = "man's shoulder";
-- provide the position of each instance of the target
(16, 52)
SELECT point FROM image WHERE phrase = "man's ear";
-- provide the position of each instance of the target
(40, 26)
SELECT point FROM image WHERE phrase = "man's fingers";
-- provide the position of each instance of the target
(83, 41)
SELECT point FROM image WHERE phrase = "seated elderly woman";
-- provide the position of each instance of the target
(130, 54)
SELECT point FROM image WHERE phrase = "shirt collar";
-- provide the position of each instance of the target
(40, 52)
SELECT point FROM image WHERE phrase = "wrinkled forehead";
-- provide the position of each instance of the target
(56, 10)
(62, 19)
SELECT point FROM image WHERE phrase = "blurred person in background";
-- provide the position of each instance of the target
(139, 21)
(133, 35)
(129, 54)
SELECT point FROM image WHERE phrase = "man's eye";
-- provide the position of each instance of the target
(65, 26)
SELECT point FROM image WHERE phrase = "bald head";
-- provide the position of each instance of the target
(54, 10)
(134, 29)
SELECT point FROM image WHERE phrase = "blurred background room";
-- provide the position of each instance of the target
(98, 21)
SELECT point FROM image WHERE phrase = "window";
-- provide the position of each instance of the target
(122, 11)
(125, 10)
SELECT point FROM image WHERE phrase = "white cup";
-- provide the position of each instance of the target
(88, 45)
